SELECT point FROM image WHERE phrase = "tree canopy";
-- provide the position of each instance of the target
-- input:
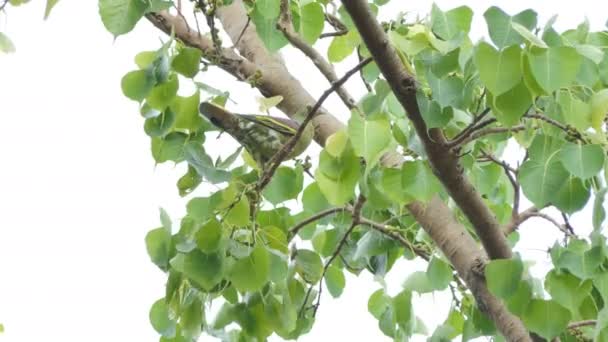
(436, 162)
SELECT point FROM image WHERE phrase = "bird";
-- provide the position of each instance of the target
(261, 135)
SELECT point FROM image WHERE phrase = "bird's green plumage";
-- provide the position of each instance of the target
(261, 135)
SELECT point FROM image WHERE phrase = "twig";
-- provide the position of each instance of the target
(511, 174)
(476, 119)
(367, 85)
(293, 231)
(238, 40)
(535, 212)
(386, 230)
(333, 34)
(474, 134)
(3, 5)
(278, 157)
(356, 217)
(567, 129)
(587, 323)
(284, 25)
(567, 224)
(210, 17)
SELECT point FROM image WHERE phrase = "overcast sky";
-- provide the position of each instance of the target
(79, 189)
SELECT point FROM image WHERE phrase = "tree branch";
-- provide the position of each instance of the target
(474, 134)
(278, 157)
(284, 25)
(293, 231)
(444, 162)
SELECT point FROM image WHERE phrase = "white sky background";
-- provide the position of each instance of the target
(79, 189)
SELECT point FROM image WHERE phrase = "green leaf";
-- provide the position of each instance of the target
(510, 106)
(377, 303)
(187, 62)
(198, 159)
(369, 137)
(206, 270)
(238, 214)
(170, 147)
(599, 213)
(252, 272)
(583, 161)
(431, 112)
(312, 19)
(191, 320)
(501, 29)
(499, 71)
(145, 59)
(137, 84)
(343, 46)
(313, 200)
(572, 195)
(446, 91)
(418, 282)
(599, 108)
(275, 238)
(335, 281)
(160, 125)
(574, 111)
(439, 273)
(265, 17)
(121, 16)
(542, 176)
(600, 281)
(546, 318)
(503, 276)
(162, 94)
(555, 67)
(158, 245)
(285, 184)
(518, 302)
(309, 265)
(161, 319)
(528, 35)
(567, 290)
(6, 45)
(186, 112)
(448, 24)
(49, 6)
(209, 236)
(372, 243)
(419, 181)
(404, 314)
(338, 176)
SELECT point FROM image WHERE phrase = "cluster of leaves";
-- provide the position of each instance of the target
(542, 89)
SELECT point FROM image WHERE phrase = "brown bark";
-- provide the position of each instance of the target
(444, 161)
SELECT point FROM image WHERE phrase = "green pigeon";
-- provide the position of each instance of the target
(261, 135)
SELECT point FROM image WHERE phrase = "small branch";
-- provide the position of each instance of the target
(284, 25)
(386, 230)
(567, 129)
(333, 34)
(511, 174)
(238, 40)
(293, 231)
(356, 215)
(535, 212)
(474, 134)
(587, 323)
(365, 83)
(276, 160)
(470, 127)
(567, 224)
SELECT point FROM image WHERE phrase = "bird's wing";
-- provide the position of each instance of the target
(284, 126)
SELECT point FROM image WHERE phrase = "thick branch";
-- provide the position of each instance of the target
(226, 59)
(444, 161)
